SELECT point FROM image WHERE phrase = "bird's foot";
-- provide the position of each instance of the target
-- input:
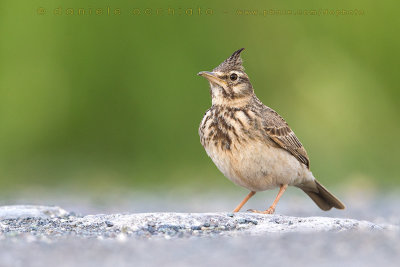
(271, 210)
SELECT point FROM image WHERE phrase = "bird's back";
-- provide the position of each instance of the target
(279, 131)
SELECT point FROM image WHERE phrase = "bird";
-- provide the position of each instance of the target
(251, 144)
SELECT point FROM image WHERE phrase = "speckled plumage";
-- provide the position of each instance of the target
(249, 142)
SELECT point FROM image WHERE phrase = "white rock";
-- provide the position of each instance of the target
(166, 224)
(25, 211)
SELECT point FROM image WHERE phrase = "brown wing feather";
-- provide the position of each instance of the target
(279, 131)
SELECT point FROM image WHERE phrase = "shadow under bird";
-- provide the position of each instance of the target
(251, 144)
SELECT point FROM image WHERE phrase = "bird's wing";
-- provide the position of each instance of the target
(279, 131)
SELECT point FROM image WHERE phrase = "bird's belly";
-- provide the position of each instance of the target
(258, 166)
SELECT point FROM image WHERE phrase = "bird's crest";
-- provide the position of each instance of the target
(233, 62)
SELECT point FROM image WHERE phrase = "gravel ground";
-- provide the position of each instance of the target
(51, 223)
(46, 236)
(125, 236)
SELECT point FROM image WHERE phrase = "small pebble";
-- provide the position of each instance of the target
(109, 224)
(194, 228)
(241, 221)
(151, 229)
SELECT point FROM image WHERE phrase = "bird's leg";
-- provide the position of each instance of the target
(271, 209)
(252, 193)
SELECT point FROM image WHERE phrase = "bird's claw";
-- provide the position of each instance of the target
(268, 211)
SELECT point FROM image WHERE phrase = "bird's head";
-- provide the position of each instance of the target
(229, 84)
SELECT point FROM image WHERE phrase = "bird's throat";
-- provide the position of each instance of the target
(237, 102)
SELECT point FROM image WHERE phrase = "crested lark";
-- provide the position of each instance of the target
(250, 143)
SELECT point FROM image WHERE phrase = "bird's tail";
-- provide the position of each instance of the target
(321, 196)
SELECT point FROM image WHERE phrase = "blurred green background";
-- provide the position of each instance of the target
(97, 101)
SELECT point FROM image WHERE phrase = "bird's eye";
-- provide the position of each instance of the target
(233, 77)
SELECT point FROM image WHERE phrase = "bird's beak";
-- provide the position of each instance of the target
(212, 77)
